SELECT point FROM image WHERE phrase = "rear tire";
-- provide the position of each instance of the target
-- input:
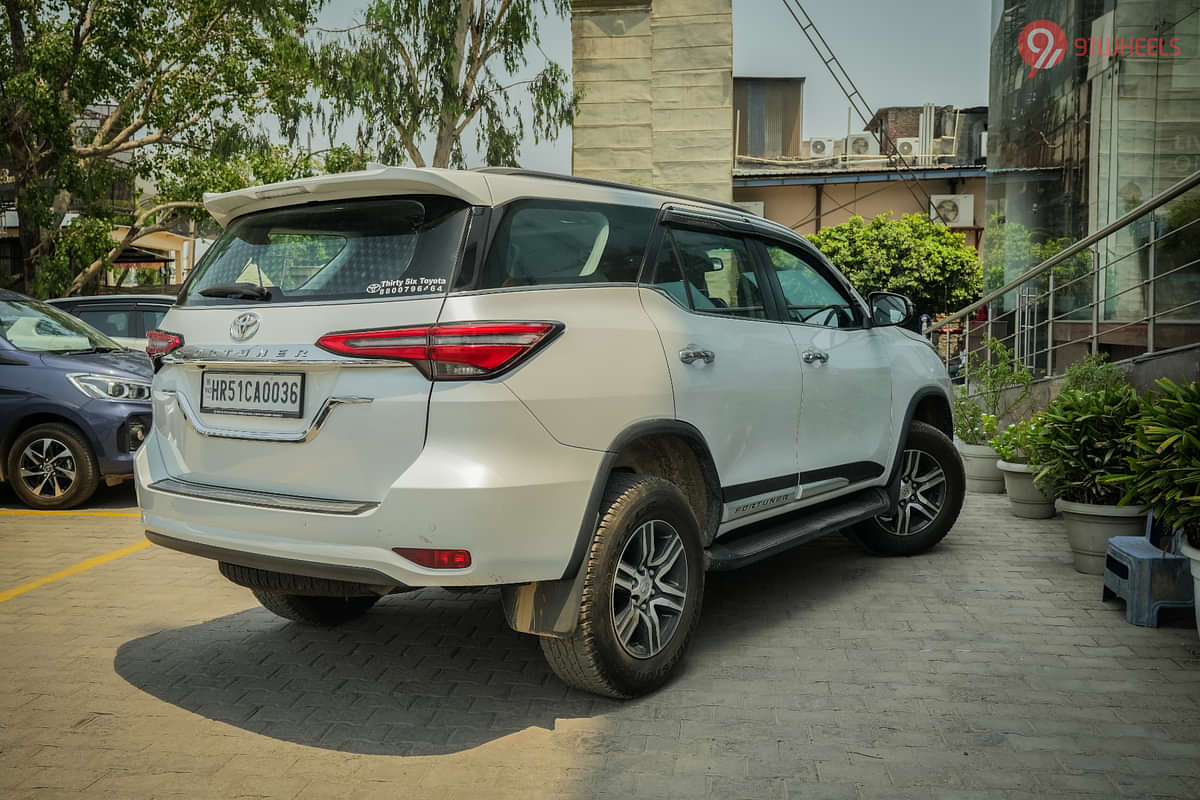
(51, 466)
(324, 612)
(642, 592)
(933, 485)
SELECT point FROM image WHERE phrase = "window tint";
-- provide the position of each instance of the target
(152, 319)
(394, 247)
(111, 322)
(810, 297)
(547, 242)
(713, 270)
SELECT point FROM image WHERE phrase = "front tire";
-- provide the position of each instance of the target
(51, 466)
(641, 596)
(323, 612)
(932, 487)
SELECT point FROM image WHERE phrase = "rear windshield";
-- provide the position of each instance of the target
(554, 242)
(396, 247)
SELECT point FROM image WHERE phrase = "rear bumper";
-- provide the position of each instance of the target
(512, 496)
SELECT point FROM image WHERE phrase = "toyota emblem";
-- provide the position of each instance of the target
(244, 326)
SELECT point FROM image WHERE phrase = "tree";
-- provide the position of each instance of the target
(183, 178)
(422, 71)
(95, 91)
(911, 255)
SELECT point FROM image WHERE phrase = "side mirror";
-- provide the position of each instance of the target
(889, 309)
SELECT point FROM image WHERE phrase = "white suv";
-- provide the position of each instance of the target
(584, 393)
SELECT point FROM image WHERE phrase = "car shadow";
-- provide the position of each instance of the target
(433, 672)
(121, 497)
(427, 672)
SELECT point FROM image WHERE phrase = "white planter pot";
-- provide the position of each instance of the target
(1089, 527)
(979, 462)
(1027, 499)
(1194, 555)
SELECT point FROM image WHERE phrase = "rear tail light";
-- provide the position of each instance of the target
(453, 351)
(159, 343)
(435, 558)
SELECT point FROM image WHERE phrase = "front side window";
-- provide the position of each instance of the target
(810, 297)
(361, 249)
(547, 242)
(39, 328)
(709, 272)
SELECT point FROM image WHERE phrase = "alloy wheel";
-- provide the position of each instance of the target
(922, 495)
(47, 468)
(649, 589)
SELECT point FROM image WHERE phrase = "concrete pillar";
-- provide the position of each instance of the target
(657, 82)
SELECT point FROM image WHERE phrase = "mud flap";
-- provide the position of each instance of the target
(544, 608)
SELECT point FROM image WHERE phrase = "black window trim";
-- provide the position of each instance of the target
(811, 256)
(495, 216)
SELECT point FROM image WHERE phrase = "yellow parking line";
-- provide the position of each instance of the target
(24, 512)
(74, 569)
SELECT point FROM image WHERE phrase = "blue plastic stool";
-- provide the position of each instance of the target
(1137, 570)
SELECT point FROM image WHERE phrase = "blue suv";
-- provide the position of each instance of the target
(74, 404)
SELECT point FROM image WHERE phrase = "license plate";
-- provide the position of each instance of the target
(258, 394)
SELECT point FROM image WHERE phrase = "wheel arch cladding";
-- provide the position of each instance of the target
(669, 449)
(931, 406)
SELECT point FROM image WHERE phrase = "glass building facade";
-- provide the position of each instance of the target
(1078, 143)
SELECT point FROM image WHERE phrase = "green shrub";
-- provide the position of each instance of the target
(1085, 437)
(1164, 471)
(1092, 373)
(971, 423)
(1015, 443)
(999, 382)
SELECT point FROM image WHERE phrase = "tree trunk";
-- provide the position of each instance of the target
(449, 119)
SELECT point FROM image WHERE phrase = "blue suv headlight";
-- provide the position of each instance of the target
(105, 387)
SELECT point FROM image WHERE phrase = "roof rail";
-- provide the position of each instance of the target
(556, 176)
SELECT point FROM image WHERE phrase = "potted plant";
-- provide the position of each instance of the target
(1014, 445)
(995, 386)
(1083, 438)
(1164, 470)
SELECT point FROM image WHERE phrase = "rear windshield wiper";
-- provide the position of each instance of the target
(245, 291)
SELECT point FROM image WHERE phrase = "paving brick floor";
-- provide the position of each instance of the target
(986, 668)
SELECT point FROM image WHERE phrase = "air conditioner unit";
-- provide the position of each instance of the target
(983, 144)
(820, 148)
(955, 210)
(862, 144)
(909, 148)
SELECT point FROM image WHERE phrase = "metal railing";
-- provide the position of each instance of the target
(1130, 288)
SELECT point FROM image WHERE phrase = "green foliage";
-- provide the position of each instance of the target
(1000, 384)
(911, 255)
(1085, 437)
(1164, 469)
(80, 243)
(427, 71)
(1093, 373)
(971, 424)
(94, 94)
(1015, 443)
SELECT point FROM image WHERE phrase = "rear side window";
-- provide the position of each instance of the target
(543, 242)
(395, 247)
(113, 322)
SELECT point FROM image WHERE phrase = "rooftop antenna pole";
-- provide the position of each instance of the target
(859, 105)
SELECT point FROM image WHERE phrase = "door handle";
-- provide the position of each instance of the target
(691, 353)
(810, 356)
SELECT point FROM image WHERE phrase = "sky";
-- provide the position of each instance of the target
(908, 53)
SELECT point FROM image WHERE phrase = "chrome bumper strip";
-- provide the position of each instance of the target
(249, 497)
(306, 435)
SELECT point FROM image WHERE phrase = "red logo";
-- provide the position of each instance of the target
(1042, 44)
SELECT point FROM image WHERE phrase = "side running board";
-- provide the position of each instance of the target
(765, 539)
